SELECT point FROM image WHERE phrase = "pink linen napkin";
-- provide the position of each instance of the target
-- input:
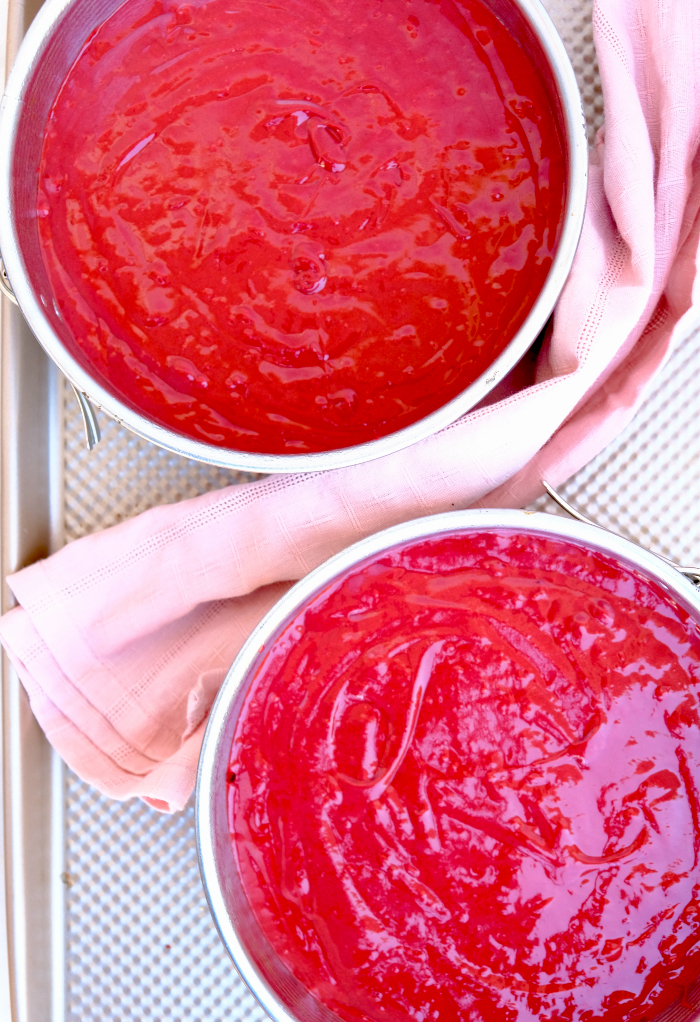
(122, 638)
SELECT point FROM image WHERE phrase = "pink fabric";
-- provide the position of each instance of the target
(123, 638)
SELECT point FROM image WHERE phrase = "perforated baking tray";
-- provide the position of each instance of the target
(106, 918)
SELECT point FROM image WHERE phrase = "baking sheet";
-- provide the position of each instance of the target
(106, 914)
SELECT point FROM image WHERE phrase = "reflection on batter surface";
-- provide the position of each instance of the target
(465, 786)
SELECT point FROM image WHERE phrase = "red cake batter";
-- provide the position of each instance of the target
(297, 226)
(464, 786)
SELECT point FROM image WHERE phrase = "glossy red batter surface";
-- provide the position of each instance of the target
(297, 226)
(465, 787)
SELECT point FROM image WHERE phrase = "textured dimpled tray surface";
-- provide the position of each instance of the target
(135, 932)
(140, 942)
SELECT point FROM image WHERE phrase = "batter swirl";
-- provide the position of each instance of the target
(464, 786)
(290, 227)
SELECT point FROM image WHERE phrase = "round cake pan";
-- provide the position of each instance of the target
(277, 990)
(50, 47)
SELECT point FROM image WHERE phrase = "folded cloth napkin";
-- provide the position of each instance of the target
(122, 638)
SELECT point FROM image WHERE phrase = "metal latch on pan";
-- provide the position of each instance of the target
(691, 573)
(90, 423)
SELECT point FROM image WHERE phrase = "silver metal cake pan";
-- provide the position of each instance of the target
(49, 49)
(282, 996)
